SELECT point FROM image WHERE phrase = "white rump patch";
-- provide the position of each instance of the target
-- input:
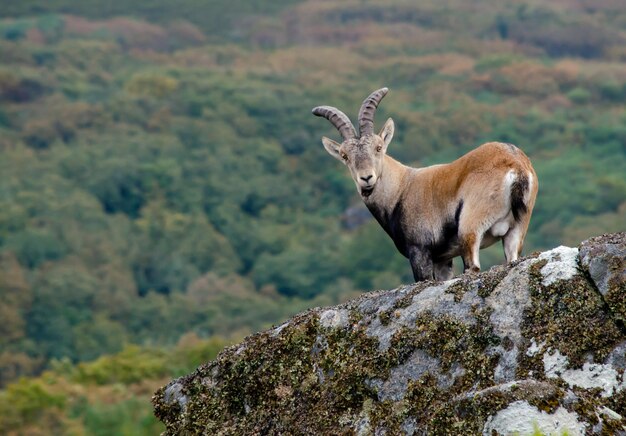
(562, 264)
(509, 178)
(522, 418)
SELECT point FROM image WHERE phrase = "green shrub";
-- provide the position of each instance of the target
(131, 365)
(579, 95)
(130, 417)
(26, 401)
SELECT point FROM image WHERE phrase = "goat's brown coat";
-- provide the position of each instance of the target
(431, 196)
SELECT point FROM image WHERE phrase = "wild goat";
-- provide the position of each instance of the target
(436, 213)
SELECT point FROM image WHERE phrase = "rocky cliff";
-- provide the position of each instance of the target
(537, 346)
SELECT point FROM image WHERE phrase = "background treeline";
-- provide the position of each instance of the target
(108, 396)
(161, 174)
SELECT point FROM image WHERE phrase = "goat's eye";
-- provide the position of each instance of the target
(344, 156)
(379, 149)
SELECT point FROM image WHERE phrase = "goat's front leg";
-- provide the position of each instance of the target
(422, 264)
(443, 270)
(470, 246)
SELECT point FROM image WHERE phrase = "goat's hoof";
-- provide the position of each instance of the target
(472, 270)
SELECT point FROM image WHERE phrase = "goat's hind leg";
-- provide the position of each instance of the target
(512, 243)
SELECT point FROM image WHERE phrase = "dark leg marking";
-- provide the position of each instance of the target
(422, 264)
(443, 270)
(449, 236)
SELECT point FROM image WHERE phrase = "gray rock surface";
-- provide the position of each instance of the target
(603, 258)
(535, 345)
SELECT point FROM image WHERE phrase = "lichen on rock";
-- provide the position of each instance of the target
(520, 417)
(537, 344)
(603, 258)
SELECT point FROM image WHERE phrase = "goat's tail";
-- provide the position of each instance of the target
(520, 192)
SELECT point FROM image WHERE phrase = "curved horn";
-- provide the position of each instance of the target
(368, 109)
(337, 119)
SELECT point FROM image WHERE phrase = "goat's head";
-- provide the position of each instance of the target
(363, 154)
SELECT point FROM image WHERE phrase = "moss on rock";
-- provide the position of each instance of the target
(436, 358)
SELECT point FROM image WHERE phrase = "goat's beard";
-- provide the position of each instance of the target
(366, 192)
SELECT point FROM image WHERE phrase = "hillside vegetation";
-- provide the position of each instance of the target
(161, 172)
(108, 396)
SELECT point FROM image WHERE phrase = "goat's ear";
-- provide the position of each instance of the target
(386, 133)
(332, 147)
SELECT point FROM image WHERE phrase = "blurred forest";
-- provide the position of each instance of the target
(162, 180)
